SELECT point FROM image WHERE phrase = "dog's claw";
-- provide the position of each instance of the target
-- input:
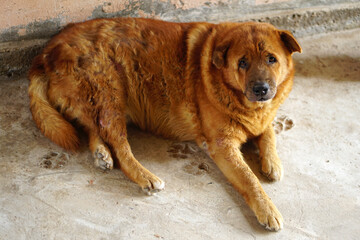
(271, 218)
(272, 168)
(154, 187)
(276, 174)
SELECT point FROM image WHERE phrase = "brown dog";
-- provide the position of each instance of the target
(217, 84)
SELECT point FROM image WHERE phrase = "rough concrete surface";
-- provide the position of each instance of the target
(48, 193)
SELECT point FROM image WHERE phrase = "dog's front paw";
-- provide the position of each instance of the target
(102, 158)
(270, 217)
(153, 185)
(272, 168)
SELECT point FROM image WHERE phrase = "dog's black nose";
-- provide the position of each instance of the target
(261, 89)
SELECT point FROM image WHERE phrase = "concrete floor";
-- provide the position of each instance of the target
(47, 193)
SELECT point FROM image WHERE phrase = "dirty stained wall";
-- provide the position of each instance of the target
(29, 19)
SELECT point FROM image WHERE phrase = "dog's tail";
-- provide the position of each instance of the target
(51, 123)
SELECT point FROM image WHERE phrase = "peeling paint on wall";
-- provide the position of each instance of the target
(21, 32)
(184, 5)
(110, 7)
(259, 2)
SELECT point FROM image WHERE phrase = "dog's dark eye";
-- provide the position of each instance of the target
(272, 60)
(243, 63)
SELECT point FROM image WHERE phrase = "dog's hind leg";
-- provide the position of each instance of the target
(112, 126)
(101, 153)
(98, 148)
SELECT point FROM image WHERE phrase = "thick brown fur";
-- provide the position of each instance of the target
(188, 81)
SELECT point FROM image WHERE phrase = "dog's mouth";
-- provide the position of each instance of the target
(256, 99)
(263, 99)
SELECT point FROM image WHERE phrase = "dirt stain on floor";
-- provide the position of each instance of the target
(54, 160)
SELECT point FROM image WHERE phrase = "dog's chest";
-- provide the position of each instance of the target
(255, 122)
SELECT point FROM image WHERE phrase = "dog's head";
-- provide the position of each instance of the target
(253, 58)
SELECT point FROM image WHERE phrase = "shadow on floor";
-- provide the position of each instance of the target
(333, 67)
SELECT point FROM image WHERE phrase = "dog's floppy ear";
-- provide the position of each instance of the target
(219, 54)
(290, 42)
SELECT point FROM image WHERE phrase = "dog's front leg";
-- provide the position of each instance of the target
(229, 159)
(270, 162)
